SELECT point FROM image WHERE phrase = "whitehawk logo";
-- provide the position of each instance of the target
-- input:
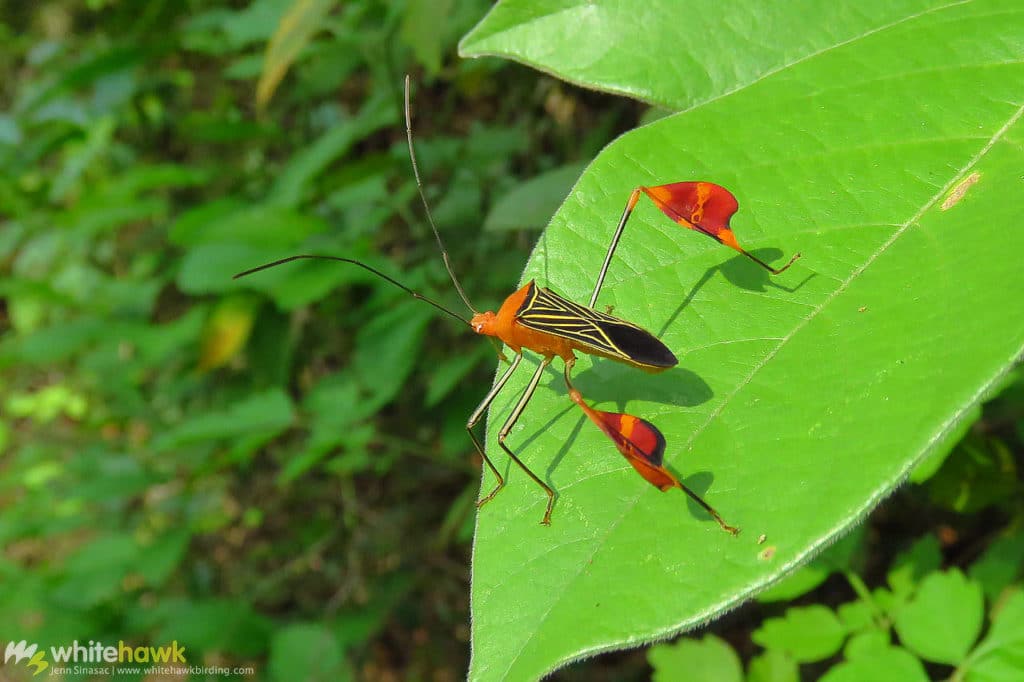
(19, 651)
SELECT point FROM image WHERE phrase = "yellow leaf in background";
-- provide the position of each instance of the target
(297, 26)
(226, 331)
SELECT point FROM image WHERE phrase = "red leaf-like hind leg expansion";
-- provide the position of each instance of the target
(708, 208)
(642, 445)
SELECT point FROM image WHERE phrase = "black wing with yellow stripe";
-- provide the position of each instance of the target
(545, 311)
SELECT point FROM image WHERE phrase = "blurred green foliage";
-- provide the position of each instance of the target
(274, 472)
(271, 471)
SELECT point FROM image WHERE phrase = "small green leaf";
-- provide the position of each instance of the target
(708, 659)
(450, 371)
(856, 616)
(386, 349)
(290, 286)
(1000, 565)
(422, 29)
(191, 226)
(112, 213)
(887, 601)
(530, 204)
(891, 664)
(807, 633)
(47, 403)
(158, 176)
(266, 414)
(95, 572)
(461, 203)
(335, 402)
(307, 652)
(943, 619)
(981, 471)
(253, 24)
(293, 183)
(231, 223)
(867, 644)
(211, 625)
(1000, 656)
(159, 559)
(773, 666)
(923, 557)
(357, 455)
(336, 406)
(80, 156)
(51, 344)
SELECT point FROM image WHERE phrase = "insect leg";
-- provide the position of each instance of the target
(511, 421)
(475, 418)
(630, 205)
(774, 271)
(630, 434)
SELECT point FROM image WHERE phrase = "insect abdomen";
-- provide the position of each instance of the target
(590, 331)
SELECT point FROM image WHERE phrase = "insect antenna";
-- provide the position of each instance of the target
(364, 266)
(423, 198)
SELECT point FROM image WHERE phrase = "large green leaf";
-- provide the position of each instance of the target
(673, 54)
(890, 156)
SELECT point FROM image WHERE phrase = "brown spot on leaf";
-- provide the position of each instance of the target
(960, 190)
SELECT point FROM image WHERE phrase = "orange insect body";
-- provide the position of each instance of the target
(504, 326)
(568, 327)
